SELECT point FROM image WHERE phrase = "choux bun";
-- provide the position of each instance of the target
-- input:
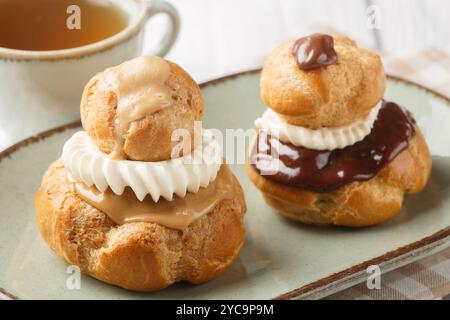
(150, 137)
(142, 225)
(331, 96)
(140, 256)
(356, 204)
(348, 156)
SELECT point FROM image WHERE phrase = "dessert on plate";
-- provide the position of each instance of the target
(142, 198)
(329, 149)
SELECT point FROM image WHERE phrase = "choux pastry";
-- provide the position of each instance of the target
(126, 209)
(329, 150)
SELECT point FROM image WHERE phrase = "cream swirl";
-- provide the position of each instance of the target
(317, 139)
(177, 176)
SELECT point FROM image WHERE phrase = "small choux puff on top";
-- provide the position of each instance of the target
(334, 96)
(149, 136)
(121, 206)
(329, 149)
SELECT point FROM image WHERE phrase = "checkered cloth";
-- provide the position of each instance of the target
(428, 278)
(428, 67)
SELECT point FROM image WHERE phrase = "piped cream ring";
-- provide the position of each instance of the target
(177, 176)
(317, 139)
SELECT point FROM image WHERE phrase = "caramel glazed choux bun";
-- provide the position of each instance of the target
(329, 150)
(123, 207)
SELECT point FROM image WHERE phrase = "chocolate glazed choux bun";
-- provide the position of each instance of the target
(329, 150)
(124, 209)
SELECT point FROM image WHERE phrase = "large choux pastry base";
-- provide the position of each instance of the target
(357, 204)
(139, 256)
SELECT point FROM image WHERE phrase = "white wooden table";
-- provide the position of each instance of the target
(224, 36)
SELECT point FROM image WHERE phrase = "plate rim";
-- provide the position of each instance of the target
(398, 253)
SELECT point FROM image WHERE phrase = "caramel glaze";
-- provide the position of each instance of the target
(314, 51)
(326, 171)
(176, 214)
(139, 85)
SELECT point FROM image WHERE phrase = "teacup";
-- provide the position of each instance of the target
(42, 89)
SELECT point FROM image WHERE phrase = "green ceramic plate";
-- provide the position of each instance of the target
(280, 258)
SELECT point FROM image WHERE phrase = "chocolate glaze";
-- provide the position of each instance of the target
(326, 171)
(314, 51)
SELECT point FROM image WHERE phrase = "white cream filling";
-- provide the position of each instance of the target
(317, 139)
(89, 165)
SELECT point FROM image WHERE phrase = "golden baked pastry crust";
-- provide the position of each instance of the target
(356, 204)
(149, 139)
(331, 96)
(140, 256)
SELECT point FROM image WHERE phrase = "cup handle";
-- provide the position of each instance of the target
(160, 6)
